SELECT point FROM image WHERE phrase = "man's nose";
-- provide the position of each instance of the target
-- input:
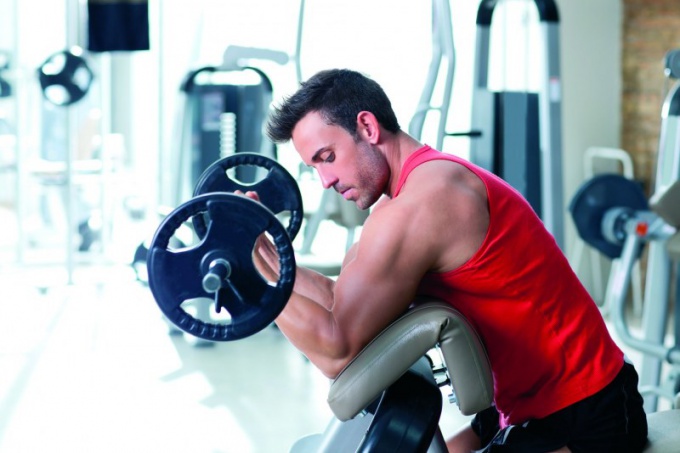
(327, 179)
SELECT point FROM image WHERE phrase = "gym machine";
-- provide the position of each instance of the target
(5, 86)
(224, 110)
(518, 135)
(612, 214)
(222, 114)
(442, 49)
(388, 398)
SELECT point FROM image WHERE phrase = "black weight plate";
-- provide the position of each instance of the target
(234, 224)
(278, 191)
(65, 78)
(594, 198)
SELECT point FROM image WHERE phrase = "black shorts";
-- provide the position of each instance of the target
(612, 420)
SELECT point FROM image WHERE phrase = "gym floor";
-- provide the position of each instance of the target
(91, 367)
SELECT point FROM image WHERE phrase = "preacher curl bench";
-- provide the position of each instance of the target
(387, 399)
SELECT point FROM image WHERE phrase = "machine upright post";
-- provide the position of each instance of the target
(528, 159)
(482, 147)
(657, 282)
(550, 116)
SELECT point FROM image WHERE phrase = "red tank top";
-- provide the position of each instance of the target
(547, 342)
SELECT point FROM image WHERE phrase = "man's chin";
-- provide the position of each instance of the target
(363, 205)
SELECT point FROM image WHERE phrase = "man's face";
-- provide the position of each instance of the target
(356, 170)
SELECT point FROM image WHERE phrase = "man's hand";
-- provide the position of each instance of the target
(265, 256)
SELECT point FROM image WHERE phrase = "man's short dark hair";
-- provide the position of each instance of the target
(338, 95)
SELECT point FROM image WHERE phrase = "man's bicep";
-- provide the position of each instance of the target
(379, 283)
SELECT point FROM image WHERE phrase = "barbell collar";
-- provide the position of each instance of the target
(219, 271)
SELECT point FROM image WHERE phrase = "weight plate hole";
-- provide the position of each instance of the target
(276, 268)
(203, 309)
(247, 175)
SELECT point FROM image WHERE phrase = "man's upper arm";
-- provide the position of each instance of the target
(380, 281)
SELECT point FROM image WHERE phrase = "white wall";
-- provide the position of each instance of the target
(591, 74)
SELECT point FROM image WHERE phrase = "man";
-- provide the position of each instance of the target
(442, 227)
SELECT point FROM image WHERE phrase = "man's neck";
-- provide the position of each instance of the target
(396, 154)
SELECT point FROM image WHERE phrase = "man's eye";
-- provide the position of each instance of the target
(329, 158)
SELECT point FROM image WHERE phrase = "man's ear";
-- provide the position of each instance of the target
(368, 127)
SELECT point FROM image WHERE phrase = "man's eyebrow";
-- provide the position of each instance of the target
(316, 157)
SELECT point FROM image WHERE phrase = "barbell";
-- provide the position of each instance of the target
(278, 191)
(220, 266)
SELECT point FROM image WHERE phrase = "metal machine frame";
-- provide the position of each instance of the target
(537, 175)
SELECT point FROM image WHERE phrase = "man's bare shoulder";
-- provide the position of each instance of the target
(442, 177)
(442, 207)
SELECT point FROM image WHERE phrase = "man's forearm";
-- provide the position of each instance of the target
(310, 327)
(314, 286)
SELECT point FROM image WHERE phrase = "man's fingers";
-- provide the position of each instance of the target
(253, 195)
(250, 194)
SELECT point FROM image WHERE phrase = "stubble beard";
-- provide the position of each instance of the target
(372, 176)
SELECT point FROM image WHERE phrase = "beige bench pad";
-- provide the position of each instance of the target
(664, 432)
(400, 345)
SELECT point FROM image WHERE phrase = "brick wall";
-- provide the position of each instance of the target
(650, 29)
